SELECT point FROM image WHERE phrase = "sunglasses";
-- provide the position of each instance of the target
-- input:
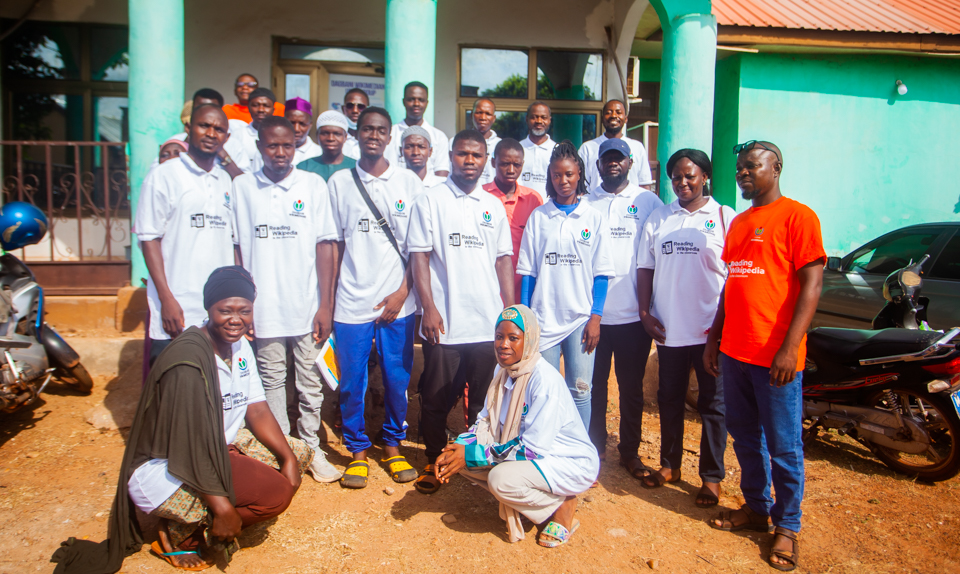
(746, 146)
(352, 105)
(248, 84)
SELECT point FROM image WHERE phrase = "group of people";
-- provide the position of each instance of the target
(502, 257)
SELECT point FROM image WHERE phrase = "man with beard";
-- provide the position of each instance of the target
(537, 148)
(261, 107)
(375, 294)
(243, 87)
(417, 150)
(185, 229)
(354, 102)
(332, 135)
(415, 101)
(625, 207)
(484, 114)
(774, 256)
(614, 119)
(460, 247)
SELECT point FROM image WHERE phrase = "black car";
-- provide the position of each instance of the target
(853, 285)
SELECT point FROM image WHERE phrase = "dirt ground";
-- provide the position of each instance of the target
(58, 478)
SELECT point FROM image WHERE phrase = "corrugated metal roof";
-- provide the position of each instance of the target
(904, 16)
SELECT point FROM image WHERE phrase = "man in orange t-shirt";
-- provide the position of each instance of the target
(774, 256)
(517, 200)
(244, 86)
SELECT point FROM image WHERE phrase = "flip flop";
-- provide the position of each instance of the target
(355, 476)
(558, 534)
(656, 480)
(400, 469)
(168, 557)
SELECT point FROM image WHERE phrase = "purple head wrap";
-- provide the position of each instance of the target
(299, 104)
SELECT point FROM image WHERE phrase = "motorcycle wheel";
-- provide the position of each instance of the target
(76, 377)
(937, 415)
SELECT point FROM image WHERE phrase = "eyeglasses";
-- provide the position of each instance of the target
(352, 105)
(248, 84)
(746, 146)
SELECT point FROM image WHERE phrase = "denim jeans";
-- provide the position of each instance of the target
(394, 343)
(629, 344)
(675, 363)
(765, 423)
(577, 370)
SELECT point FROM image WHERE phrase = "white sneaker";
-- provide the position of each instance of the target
(321, 470)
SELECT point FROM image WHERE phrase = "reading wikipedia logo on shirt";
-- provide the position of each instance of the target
(632, 210)
(399, 205)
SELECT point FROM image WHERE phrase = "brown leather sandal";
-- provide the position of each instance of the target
(755, 522)
(656, 480)
(793, 557)
(636, 468)
(427, 482)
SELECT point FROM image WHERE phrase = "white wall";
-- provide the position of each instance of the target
(227, 37)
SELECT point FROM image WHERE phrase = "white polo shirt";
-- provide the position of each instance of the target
(190, 210)
(684, 248)
(249, 136)
(489, 173)
(351, 147)
(536, 160)
(278, 226)
(565, 253)
(464, 233)
(308, 150)
(432, 180)
(439, 159)
(639, 173)
(151, 484)
(371, 268)
(624, 214)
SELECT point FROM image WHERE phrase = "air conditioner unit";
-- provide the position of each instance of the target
(633, 77)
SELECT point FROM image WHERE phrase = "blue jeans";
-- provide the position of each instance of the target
(577, 370)
(766, 423)
(394, 343)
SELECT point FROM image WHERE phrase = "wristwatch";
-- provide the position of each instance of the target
(226, 160)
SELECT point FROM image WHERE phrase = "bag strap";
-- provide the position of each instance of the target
(377, 215)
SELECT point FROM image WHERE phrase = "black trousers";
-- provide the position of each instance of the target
(446, 371)
(675, 363)
(631, 346)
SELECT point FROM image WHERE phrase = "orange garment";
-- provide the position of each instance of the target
(764, 248)
(519, 208)
(238, 112)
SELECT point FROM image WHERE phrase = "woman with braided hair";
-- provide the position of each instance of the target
(565, 264)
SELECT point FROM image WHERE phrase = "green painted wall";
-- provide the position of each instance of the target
(864, 158)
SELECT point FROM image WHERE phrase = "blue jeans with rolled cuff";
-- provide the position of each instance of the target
(766, 423)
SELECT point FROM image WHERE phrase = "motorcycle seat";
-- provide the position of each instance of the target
(827, 344)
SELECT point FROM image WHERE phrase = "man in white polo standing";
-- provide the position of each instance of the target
(286, 238)
(415, 102)
(460, 248)
(537, 148)
(185, 228)
(614, 118)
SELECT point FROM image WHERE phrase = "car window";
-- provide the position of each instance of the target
(889, 253)
(948, 264)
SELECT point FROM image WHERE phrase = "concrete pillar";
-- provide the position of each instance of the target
(155, 92)
(411, 51)
(686, 88)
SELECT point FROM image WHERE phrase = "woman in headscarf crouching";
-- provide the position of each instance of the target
(528, 447)
(187, 459)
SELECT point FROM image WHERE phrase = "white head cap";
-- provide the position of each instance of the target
(332, 118)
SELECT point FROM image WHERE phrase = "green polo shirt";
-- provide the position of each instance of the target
(325, 170)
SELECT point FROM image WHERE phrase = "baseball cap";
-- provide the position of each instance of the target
(617, 144)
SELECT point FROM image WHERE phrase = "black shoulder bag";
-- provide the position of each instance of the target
(377, 215)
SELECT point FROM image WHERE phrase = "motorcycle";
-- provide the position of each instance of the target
(33, 353)
(895, 388)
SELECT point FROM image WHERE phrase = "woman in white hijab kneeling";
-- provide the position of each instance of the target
(528, 447)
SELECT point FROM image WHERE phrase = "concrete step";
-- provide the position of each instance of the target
(103, 315)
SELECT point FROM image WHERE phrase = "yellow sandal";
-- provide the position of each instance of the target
(355, 476)
(400, 470)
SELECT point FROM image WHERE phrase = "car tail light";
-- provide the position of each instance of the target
(948, 368)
